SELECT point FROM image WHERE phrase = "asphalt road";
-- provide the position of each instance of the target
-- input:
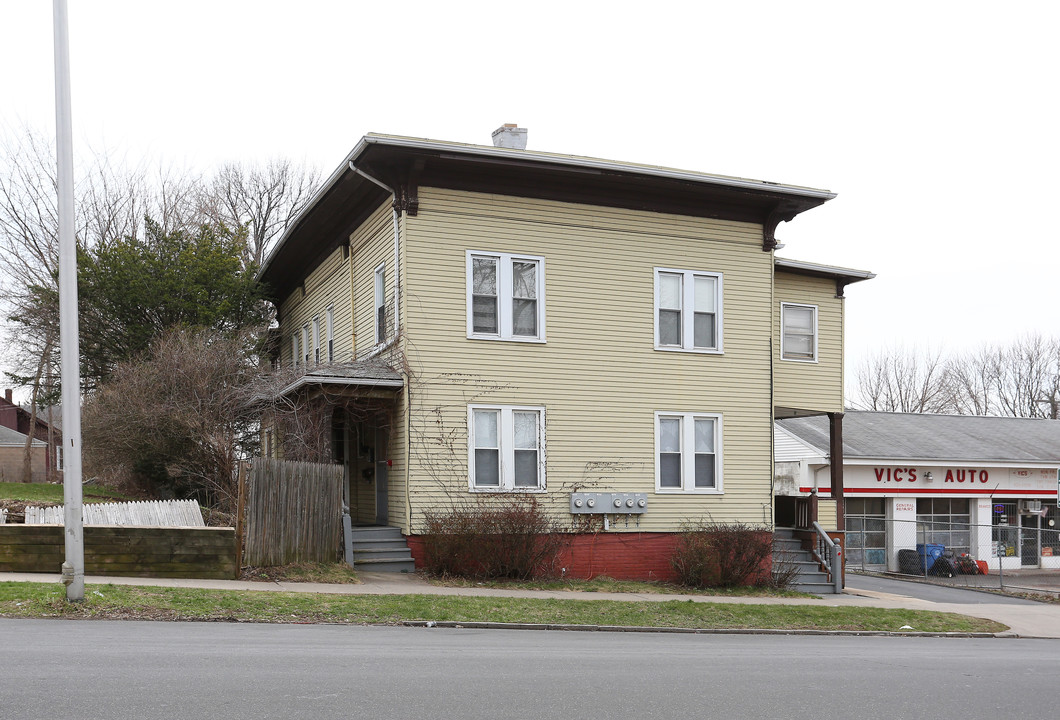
(104, 669)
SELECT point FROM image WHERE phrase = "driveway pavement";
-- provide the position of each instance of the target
(1025, 619)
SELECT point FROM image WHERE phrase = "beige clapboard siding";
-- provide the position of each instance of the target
(811, 386)
(327, 285)
(598, 375)
(373, 245)
(827, 514)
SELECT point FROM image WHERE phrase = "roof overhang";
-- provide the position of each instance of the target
(405, 164)
(841, 276)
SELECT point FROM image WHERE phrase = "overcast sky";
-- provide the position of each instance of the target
(935, 122)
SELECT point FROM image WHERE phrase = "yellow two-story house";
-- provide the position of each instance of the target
(490, 320)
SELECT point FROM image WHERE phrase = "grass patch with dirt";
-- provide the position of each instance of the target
(153, 603)
(336, 573)
(603, 584)
(53, 493)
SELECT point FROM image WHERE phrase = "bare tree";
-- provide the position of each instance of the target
(903, 380)
(113, 201)
(265, 200)
(1021, 379)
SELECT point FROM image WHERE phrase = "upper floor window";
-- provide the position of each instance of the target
(330, 329)
(316, 340)
(505, 297)
(294, 349)
(688, 310)
(798, 338)
(506, 447)
(380, 303)
(305, 345)
(688, 452)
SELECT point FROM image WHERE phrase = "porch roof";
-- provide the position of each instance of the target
(359, 374)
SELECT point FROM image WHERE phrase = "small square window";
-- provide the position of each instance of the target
(798, 340)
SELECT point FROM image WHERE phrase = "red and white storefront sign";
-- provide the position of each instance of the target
(944, 480)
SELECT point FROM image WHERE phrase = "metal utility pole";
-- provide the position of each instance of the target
(70, 372)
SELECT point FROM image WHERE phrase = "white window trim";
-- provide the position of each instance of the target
(295, 355)
(329, 328)
(305, 345)
(688, 312)
(816, 335)
(504, 297)
(380, 302)
(688, 459)
(506, 437)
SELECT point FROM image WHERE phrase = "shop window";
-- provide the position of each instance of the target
(944, 521)
(866, 532)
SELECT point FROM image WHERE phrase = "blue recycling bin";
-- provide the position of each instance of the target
(929, 553)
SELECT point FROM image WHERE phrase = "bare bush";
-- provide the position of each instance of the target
(722, 555)
(499, 538)
(177, 422)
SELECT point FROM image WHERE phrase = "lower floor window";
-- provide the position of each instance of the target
(688, 452)
(506, 444)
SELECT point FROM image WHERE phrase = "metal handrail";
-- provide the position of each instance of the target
(830, 555)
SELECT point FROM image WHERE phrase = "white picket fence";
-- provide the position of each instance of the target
(148, 513)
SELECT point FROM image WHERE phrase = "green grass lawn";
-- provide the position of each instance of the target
(46, 492)
(152, 603)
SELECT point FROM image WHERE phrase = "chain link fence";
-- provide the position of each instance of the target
(1021, 551)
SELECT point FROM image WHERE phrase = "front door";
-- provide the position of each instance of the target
(1029, 541)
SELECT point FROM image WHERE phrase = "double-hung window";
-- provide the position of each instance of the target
(316, 341)
(687, 452)
(798, 338)
(294, 349)
(505, 297)
(506, 448)
(688, 310)
(380, 304)
(305, 345)
(330, 329)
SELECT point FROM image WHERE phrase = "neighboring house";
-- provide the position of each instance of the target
(489, 321)
(985, 486)
(13, 454)
(20, 419)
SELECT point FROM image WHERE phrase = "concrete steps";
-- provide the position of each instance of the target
(381, 549)
(808, 577)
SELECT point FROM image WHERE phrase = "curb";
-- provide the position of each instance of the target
(686, 631)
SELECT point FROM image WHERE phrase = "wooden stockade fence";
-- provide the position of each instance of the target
(293, 512)
(150, 513)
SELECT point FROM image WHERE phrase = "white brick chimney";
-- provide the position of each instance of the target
(509, 135)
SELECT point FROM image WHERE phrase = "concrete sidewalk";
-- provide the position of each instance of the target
(1038, 620)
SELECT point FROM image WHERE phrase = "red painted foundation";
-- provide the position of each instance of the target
(622, 556)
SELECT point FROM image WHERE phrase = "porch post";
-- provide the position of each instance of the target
(835, 457)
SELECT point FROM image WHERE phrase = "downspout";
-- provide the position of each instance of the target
(397, 328)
